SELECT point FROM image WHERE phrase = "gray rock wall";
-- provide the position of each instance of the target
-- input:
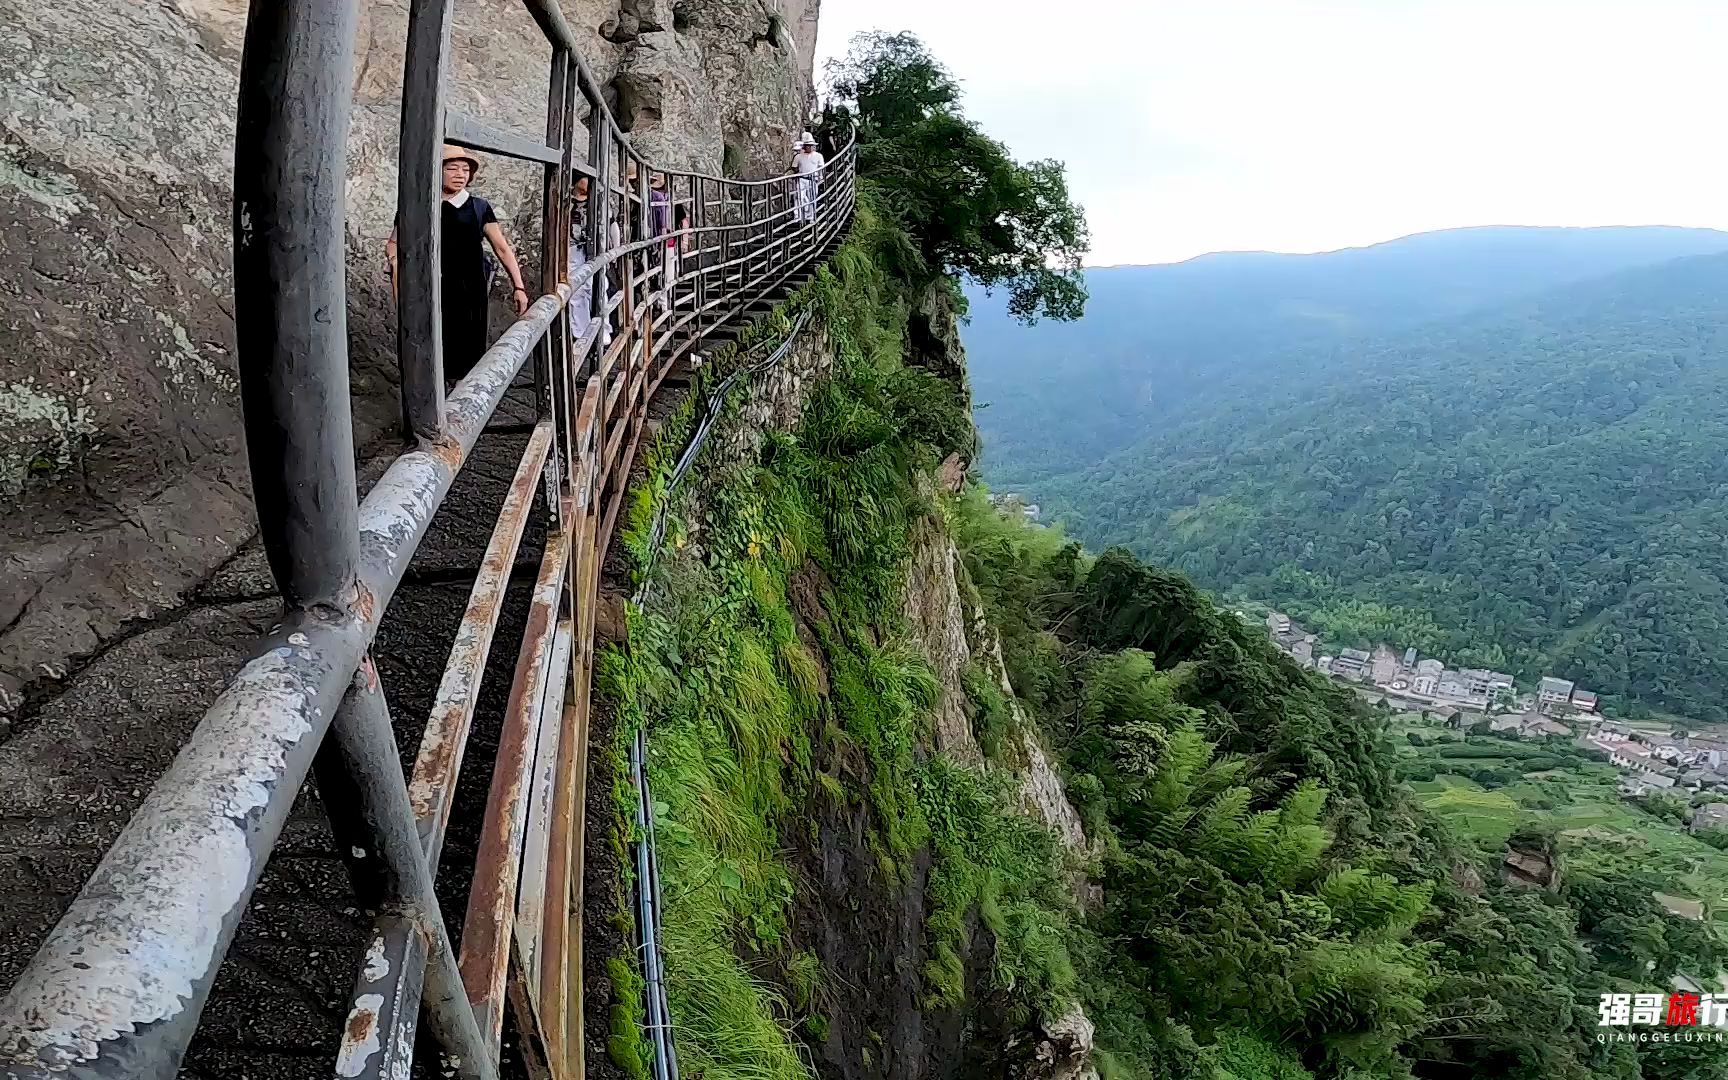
(953, 635)
(122, 471)
(715, 85)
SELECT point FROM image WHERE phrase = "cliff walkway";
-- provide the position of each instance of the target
(343, 798)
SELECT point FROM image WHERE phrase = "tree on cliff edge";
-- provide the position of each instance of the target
(973, 210)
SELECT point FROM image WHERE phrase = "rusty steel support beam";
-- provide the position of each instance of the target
(486, 932)
(536, 1044)
(536, 848)
(433, 789)
(360, 780)
(378, 1038)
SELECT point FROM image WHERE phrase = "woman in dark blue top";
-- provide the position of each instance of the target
(466, 226)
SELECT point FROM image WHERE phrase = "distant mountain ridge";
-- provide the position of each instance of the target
(1157, 339)
(1536, 486)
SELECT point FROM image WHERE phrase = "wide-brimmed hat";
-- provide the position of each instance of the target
(806, 138)
(456, 153)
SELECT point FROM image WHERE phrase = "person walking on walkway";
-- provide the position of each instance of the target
(660, 203)
(808, 163)
(677, 242)
(466, 226)
(582, 305)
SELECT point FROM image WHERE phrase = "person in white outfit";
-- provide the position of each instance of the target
(808, 163)
(582, 307)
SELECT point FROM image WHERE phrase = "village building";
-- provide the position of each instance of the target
(1552, 692)
(1011, 503)
(1528, 725)
(1350, 664)
(1638, 784)
(1709, 816)
(1298, 645)
(1624, 753)
(1426, 680)
(1383, 666)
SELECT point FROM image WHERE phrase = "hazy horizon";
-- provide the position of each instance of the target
(1402, 236)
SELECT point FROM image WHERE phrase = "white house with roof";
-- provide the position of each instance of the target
(1551, 691)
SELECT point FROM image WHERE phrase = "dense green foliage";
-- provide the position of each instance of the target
(1276, 902)
(1538, 489)
(753, 722)
(972, 210)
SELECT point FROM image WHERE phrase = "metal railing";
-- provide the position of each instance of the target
(118, 987)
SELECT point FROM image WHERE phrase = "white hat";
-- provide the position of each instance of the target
(807, 138)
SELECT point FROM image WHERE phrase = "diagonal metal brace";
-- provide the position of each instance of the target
(360, 780)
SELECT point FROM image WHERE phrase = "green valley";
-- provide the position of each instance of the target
(1536, 488)
(1487, 788)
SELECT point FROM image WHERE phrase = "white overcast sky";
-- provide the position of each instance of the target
(1205, 125)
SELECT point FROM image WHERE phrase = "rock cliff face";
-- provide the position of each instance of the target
(1530, 869)
(954, 635)
(122, 470)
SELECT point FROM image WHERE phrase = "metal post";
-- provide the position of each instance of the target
(419, 203)
(554, 259)
(698, 220)
(789, 196)
(566, 395)
(748, 258)
(725, 274)
(643, 307)
(366, 797)
(290, 292)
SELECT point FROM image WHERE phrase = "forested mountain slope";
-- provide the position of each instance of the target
(1159, 340)
(1543, 487)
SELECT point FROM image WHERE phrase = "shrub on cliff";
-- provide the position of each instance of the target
(974, 211)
